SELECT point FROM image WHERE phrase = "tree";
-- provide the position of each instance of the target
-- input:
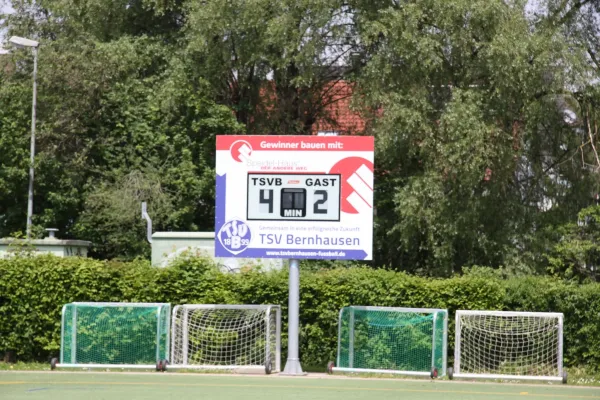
(485, 114)
(111, 107)
(275, 62)
(472, 145)
(14, 120)
(576, 252)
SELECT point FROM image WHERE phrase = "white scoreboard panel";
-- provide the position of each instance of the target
(288, 197)
(294, 196)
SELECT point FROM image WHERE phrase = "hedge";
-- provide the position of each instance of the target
(33, 290)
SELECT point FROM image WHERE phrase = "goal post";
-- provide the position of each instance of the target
(392, 340)
(123, 335)
(508, 345)
(226, 337)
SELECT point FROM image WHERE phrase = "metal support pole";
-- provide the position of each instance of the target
(292, 366)
(433, 342)
(268, 335)
(74, 336)
(278, 340)
(560, 346)
(351, 340)
(32, 149)
(168, 329)
(148, 222)
(445, 345)
(185, 336)
(158, 334)
(62, 334)
(457, 344)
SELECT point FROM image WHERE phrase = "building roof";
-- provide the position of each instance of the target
(339, 116)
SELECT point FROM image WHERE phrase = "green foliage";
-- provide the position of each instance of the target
(576, 252)
(466, 98)
(33, 291)
(111, 217)
(472, 141)
(14, 119)
(123, 117)
(300, 44)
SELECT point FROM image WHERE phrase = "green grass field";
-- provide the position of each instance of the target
(59, 385)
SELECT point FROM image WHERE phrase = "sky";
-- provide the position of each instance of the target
(5, 8)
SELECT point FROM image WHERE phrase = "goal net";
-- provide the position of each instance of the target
(409, 341)
(127, 335)
(509, 345)
(210, 336)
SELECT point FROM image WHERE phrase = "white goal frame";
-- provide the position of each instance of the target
(433, 311)
(59, 363)
(182, 330)
(457, 373)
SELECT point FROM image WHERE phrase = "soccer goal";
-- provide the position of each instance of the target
(124, 335)
(226, 337)
(406, 341)
(508, 345)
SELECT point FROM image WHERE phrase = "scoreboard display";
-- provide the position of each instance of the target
(288, 197)
(297, 197)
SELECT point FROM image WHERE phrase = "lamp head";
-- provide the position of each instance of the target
(22, 42)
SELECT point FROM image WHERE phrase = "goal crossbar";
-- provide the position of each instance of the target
(115, 304)
(510, 313)
(529, 345)
(437, 353)
(398, 309)
(226, 307)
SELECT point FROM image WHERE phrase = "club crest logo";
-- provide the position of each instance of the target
(235, 236)
(240, 150)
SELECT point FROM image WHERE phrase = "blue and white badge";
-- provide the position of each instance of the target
(235, 236)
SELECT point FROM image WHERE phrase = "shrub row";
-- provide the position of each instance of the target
(33, 290)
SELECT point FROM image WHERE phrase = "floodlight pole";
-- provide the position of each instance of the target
(32, 148)
(28, 43)
(292, 366)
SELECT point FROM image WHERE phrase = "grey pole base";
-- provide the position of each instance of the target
(292, 366)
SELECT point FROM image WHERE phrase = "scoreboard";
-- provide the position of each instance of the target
(289, 197)
(294, 197)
